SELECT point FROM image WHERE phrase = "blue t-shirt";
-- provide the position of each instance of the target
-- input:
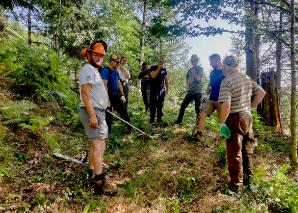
(157, 83)
(216, 77)
(112, 76)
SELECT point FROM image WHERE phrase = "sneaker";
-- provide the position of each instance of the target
(101, 187)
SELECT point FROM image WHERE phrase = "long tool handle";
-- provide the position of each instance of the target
(127, 123)
(58, 155)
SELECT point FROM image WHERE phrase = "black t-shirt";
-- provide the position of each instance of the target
(145, 79)
(157, 83)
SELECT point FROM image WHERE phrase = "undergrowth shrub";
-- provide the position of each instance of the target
(279, 193)
(220, 153)
(38, 72)
(20, 113)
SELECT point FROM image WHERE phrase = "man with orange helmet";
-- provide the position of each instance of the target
(94, 101)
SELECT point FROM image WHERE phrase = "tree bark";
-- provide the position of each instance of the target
(257, 44)
(250, 42)
(270, 110)
(143, 27)
(278, 56)
(29, 25)
(293, 117)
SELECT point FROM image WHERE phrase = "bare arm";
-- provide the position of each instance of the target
(85, 90)
(120, 88)
(167, 84)
(153, 74)
(258, 97)
(196, 77)
(105, 82)
(225, 110)
(127, 74)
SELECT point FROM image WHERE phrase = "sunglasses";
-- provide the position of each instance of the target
(115, 61)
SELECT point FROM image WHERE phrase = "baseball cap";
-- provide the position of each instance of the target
(114, 58)
(231, 61)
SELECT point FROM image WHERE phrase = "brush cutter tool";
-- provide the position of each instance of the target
(143, 135)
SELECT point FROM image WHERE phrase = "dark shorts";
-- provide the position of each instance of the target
(95, 133)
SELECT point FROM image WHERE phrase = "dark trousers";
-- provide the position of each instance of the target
(126, 87)
(146, 97)
(156, 104)
(119, 107)
(240, 148)
(187, 99)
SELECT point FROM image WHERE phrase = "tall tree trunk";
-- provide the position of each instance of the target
(29, 25)
(278, 55)
(293, 118)
(270, 110)
(143, 27)
(257, 44)
(250, 42)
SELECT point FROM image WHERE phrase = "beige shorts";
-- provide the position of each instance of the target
(210, 106)
(94, 133)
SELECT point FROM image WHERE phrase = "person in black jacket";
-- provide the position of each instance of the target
(145, 85)
(158, 90)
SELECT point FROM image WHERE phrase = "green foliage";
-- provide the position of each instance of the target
(51, 140)
(39, 199)
(279, 193)
(93, 205)
(220, 153)
(36, 122)
(16, 112)
(38, 72)
(21, 113)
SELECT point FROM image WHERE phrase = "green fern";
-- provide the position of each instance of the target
(16, 111)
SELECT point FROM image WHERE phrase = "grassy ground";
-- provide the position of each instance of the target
(170, 174)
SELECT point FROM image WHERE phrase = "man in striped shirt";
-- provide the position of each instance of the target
(238, 93)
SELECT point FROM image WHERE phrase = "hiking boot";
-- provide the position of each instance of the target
(101, 187)
(196, 135)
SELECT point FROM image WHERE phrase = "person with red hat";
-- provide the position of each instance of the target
(94, 101)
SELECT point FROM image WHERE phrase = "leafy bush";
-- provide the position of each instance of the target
(38, 71)
(279, 193)
(16, 112)
(20, 113)
(220, 153)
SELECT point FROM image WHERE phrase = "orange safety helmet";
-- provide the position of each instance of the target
(99, 47)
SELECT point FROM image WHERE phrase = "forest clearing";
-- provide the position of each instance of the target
(113, 87)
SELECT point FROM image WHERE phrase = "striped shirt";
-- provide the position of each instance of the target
(238, 88)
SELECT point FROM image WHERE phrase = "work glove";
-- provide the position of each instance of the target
(122, 98)
(225, 131)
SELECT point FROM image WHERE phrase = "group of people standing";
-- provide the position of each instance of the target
(231, 94)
